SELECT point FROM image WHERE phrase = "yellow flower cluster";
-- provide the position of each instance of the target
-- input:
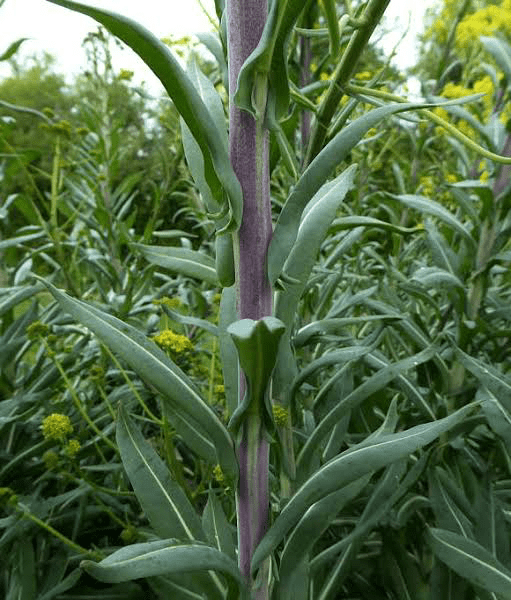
(486, 21)
(170, 302)
(72, 448)
(427, 185)
(168, 340)
(440, 28)
(280, 415)
(56, 426)
(218, 474)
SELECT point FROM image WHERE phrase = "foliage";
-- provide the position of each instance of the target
(378, 390)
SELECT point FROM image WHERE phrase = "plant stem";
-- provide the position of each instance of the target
(249, 154)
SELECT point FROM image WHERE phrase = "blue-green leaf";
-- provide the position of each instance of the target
(218, 530)
(156, 368)
(473, 562)
(163, 557)
(373, 384)
(323, 165)
(309, 530)
(436, 278)
(168, 509)
(219, 172)
(430, 207)
(349, 466)
(228, 353)
(489, 376)
(193, 153)
(501, 52)
(314, 225)
(190, 263)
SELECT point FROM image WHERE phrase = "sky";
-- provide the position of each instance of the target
(61, 31)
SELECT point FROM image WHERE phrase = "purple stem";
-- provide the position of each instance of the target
(249, 153)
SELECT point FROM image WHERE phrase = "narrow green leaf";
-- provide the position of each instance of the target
(309, 530)
(193, 153)
(448, 515)
(430, 207)
(190, 263)
(162, 557)
(187, 101)
(340, 357)
(473, 562)
(387, 492)
(312, 230)
(355, 221)
(21, 239)
(156, 368)
(228, 352)
(323, 165)
(26, 570)
(400, 570)
(336, 326)
(376, 382)
(433, 277)
(218, 530)
(501, 52)
(489, 376)
(168, 509)
(442, 253)
(496, 413)
(12, 49)
(349, 466)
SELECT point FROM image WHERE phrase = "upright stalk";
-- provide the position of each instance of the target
(249, 153)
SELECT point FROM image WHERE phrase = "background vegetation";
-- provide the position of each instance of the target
(405, 318)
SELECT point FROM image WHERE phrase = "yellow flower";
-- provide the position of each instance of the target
(451, 178)
(363, 75)
(427, 185)
(56, 426)
(280, 415)
(218, 474)
(50, 459)
(72, 448)
(168, 340)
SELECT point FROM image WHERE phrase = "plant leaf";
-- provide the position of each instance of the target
(156, 368)
(470, 560)
(309, 529)
(163, 501)
(332, 155)
(496, 382)
(430, 207)
(376, 382)
(218, 530)
(349, 466)
(162, 557)
(190, 263)
(12, 49)
(501, 52)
